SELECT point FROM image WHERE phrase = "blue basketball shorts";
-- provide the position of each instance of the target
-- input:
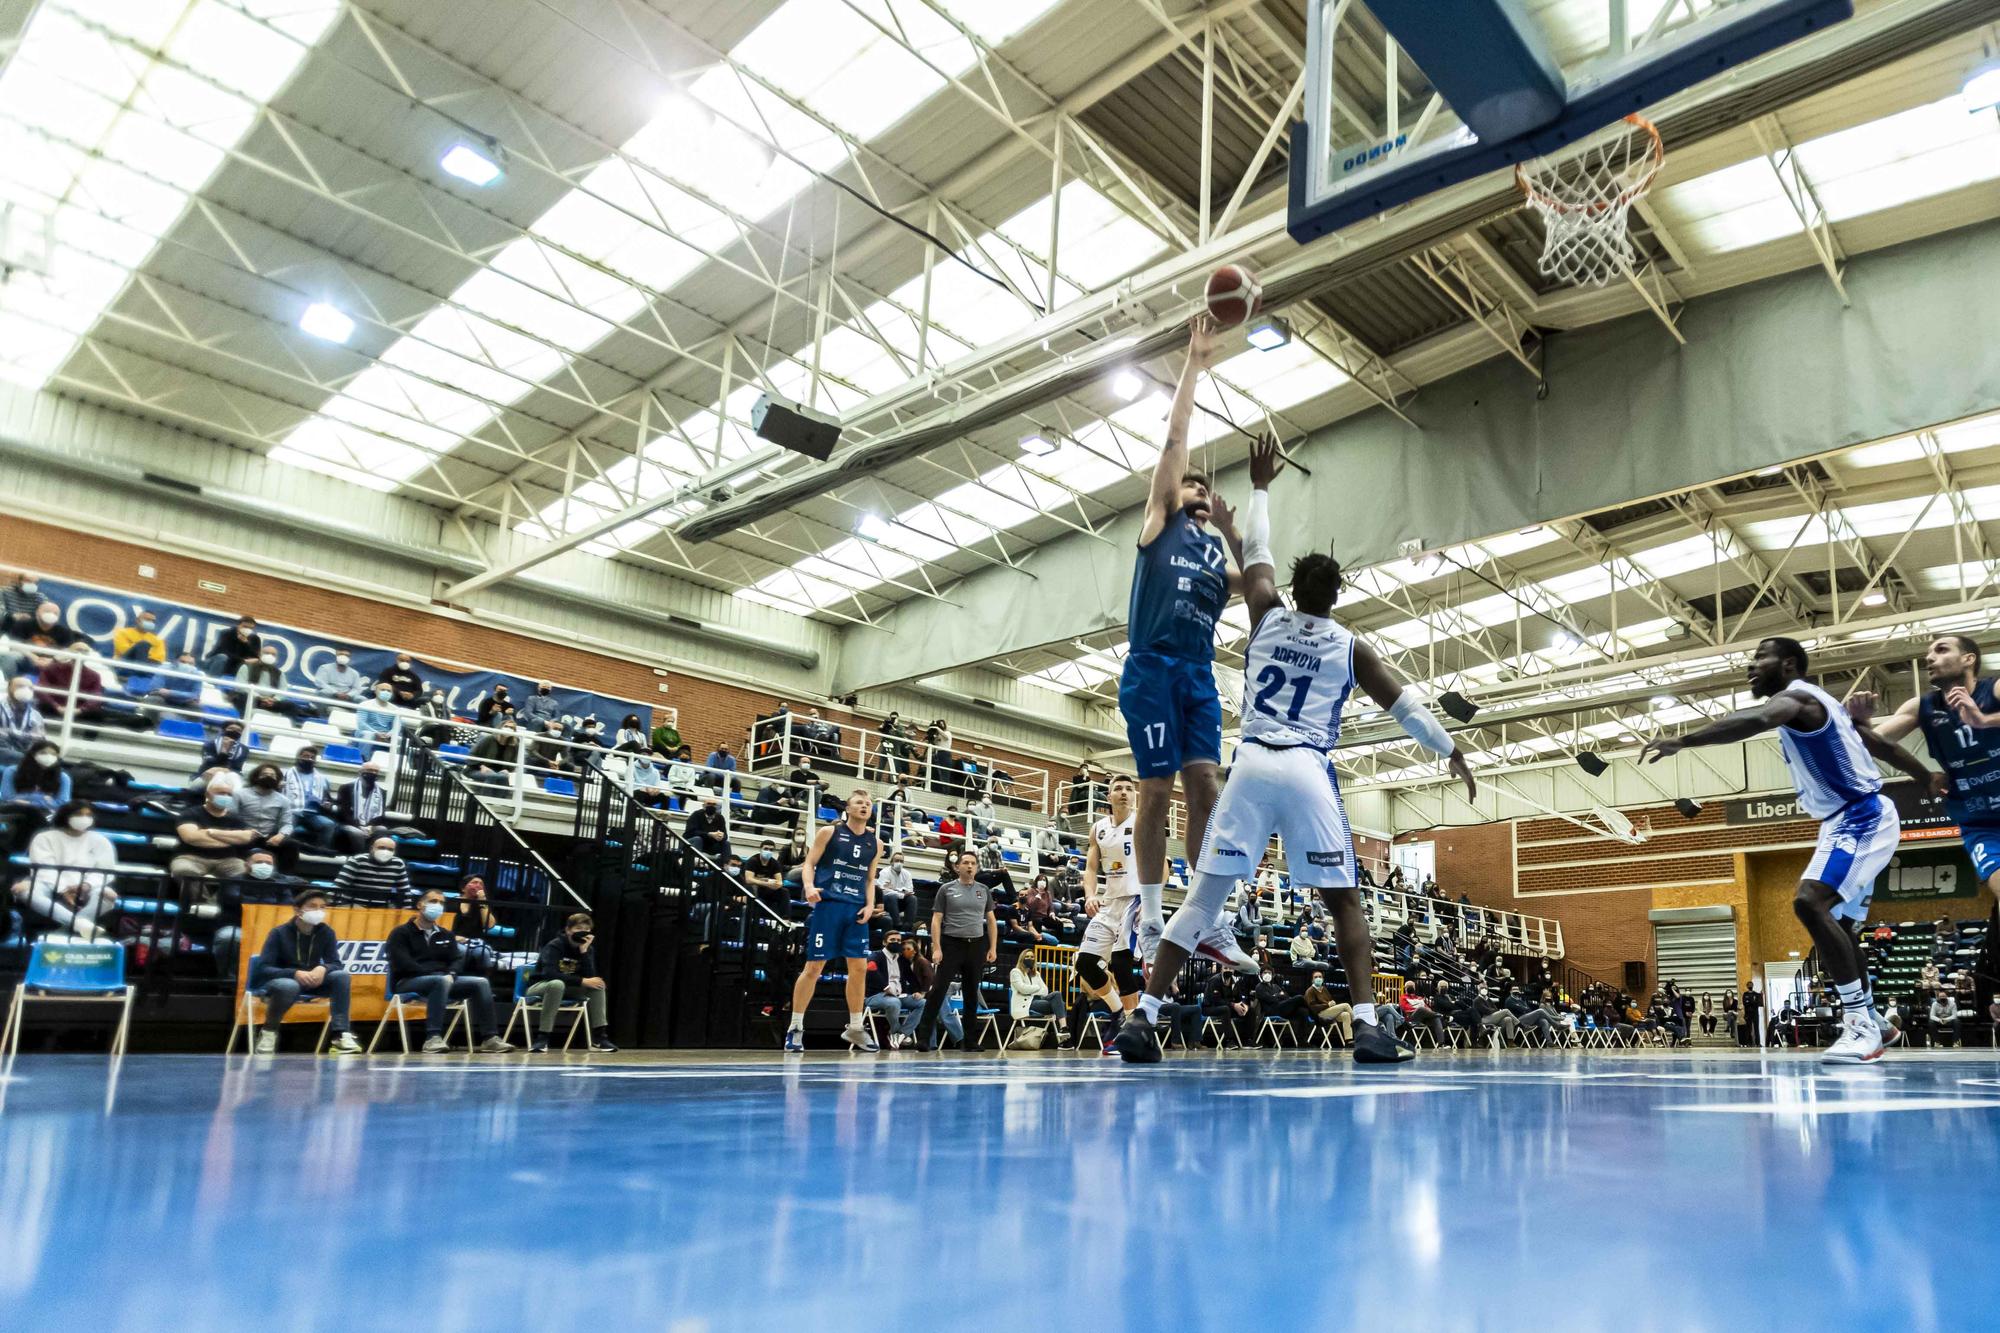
(832, 932)
(1173, 716)
(1982, 844)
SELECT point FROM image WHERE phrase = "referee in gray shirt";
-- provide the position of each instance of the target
(961, 923)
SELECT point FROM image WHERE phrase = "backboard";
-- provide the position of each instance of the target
(1406, 97)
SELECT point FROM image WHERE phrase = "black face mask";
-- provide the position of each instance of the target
(577, 937)
(231, 737)
(308, 765)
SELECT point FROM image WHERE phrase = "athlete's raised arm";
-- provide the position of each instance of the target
(1165, 496)
(1779, 710)
(1861, 707)
(1258, 581)
(820, 840)
(1373, 675)
(1891, 753)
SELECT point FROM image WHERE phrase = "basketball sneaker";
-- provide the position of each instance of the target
(1373, 1046)
(1134, 1042)
(1859, 1044)
(1218, 944)
(860, 1038)
(795, 1042)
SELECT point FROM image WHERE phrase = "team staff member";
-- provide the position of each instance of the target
(840, 884)
(424, 960)
(961, 921)
(567, 970)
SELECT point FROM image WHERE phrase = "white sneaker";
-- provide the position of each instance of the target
(860, 1038)
(434, 1045)
(267, 1041)
(496, 1046)
(1218, 944)
(1151, 932)
(345, 1044)
(1859, 1044)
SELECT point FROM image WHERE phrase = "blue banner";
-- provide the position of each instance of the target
(97, 613)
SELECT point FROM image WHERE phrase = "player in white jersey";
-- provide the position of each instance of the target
(1832, 763)
(1298, 670)
(1111, 897)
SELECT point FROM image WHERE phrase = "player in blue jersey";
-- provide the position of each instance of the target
(1166, 690)
(1832, 763)
(1960, 719)
(840, 884)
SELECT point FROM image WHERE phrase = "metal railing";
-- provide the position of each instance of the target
(440, 796)
(785, 739)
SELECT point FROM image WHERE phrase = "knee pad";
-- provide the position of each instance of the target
(1090, 968)
(1125, 971)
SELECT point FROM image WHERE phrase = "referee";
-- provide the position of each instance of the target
(961, 921)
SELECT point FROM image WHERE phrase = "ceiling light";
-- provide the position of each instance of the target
(1982, 88)
(1771, 471)
(1565, 641)
(1875, 599)
(1128, 385)
(324, 322)
(1268, 333)
(1037, 445)
(873, 527)
(471, 165)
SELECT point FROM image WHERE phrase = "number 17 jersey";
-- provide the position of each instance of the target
(1297, 673)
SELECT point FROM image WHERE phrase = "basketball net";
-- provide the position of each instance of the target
(1585, 203)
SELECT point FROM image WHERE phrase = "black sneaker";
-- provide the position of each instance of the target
(1373, 1046)
(601, 1041)
(1134, 1042)
(540, 1045)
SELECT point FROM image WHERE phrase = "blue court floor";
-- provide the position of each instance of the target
(1523, 1190)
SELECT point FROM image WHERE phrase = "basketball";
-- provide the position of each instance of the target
(1233, 295)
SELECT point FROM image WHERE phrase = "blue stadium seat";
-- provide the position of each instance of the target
(180, 729)
(456, 751)
(343, 754)
(559, 786)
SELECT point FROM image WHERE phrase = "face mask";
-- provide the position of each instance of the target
(577, 937)
(383, 695)
(308, 765)
(380, 853)
(222, 800)
(543, 690)
(232, 737)
(368, 778)
(45, 618)
(46, 759)
(146, 626)
(432, 911)
(263, 870)
(1267, 976)
(314, 917)
(403, 665)
(269, 659)
(31, 587)
(267, 782)
(23, 693)
(340, 659)
(81, 823)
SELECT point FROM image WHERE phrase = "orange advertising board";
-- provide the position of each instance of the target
(361, 932)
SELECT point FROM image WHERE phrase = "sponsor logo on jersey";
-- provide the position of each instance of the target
(1232, 851)
(1324, 859)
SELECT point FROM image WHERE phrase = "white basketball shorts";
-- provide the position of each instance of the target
(1115, 927)
(1293, 793)
(1855, 845)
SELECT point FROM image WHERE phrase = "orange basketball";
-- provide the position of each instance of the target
(1233, 295)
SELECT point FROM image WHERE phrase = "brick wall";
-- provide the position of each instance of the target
(710, 711)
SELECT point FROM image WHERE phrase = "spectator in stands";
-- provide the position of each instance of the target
(140, 642)
(1049, 853)
(311, 798)
(897, 892)
(707, 830)
(589, 732)
(1417, 1012)
(497, 755)
(1036, 906)
(424, 960)
(720, 761)
(1322, 1007)
(1274, 1002)
(265, 882)
(1707, 1015)
(225, 749)
(1941, 938)
(233, 649)
(71, 864)
(1963, 983)
(764, 875)
(378, 871)
(1927, 981)
(1892, 1025)
(21, 595)
(44, 630)
(266, 808)
(214, 839)
(1229, 1004)
(778, 805)
(35, 786)
(406, 687)
(893, 993)
(822, 738)
(946, 775)
(632, 735)
(548, 750)
(979, 810)
(535, 712)
(375, 720)
(20, 720)
(75, 685)
(302, 958)
(682, 775)
(182, 690)
(950, 828)
(567, 971)
(1181, 1015)
(1028, 994)
(262, 680)
(963, 932)
(339, 681)
(1250, 911)
(435, 723)
(648, 785)
(493, 707)
(1944, 1019)
(1304, 954)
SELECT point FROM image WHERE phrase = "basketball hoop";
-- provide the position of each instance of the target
(1586, 202)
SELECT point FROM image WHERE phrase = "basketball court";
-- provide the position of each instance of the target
(604, 436)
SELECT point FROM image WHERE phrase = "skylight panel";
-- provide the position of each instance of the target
(1902, 449)
(993, 21)
(532, 286)
(1730, 209)
(1097, 242)
(629, 246)
(1913, 154)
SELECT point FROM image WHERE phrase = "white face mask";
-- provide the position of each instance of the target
(24, 694)
(46, 759)
(313, 917)
(380, 853)
(262, 870)
(340, 659)
(81, 823)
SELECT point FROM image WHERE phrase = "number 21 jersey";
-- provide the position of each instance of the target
(1297, 673)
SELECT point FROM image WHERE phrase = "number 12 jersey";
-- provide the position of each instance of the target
(1297, 673)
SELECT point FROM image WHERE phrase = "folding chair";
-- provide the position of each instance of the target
(398, 1012)
(1096, 1027)
(91, 973)
(527, 1012)
(249, 1019)
(1047, 1021)
(1278, 1029)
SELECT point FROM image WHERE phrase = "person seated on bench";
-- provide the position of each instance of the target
(1321, 1005)
(69, 884)
(567, 970)
(302, 959)
(424, 958)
